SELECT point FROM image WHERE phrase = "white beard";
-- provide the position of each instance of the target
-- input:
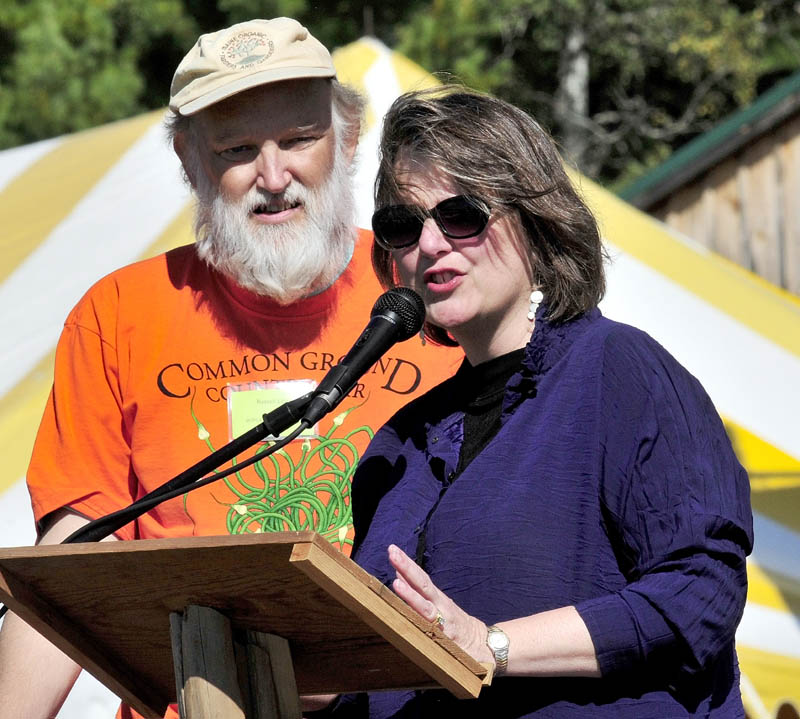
(285, 261)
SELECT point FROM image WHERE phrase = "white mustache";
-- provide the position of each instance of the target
(257, 199)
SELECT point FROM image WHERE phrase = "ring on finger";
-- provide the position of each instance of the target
(439, 620)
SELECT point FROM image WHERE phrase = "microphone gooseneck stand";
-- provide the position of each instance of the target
(272, 423)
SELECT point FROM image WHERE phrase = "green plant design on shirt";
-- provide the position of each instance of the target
(284, 493)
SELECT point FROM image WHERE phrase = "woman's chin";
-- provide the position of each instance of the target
(453, 323)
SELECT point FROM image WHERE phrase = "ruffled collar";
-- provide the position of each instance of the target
(548, 344)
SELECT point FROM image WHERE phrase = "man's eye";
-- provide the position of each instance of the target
(237, 152)
(301, 140)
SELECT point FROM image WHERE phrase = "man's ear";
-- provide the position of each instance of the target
(179, 145)
(351, 142)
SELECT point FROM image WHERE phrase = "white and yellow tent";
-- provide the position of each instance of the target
(77, 207)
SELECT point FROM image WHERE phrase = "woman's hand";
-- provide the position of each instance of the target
(548, 644)
(415, 588)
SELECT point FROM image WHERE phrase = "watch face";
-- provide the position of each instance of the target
(497, 640)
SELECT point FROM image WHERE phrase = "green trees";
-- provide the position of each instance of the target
(67, 65)
(619, 82)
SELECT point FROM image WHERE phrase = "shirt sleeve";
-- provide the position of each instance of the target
(676, 504)
(81, 457)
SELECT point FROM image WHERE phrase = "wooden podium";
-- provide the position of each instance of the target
(211, 615)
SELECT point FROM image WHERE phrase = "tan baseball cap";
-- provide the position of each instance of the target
(245, 55)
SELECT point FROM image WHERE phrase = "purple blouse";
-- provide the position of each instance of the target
(611, 486)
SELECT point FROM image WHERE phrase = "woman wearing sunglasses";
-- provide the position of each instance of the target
(567, 507)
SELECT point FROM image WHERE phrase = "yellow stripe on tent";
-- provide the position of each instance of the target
(762, 589)
(770, 468)
(34, 203)
(774, 476)
(20, 413)
(749, 299)
(772, 674)
(178, 232)
(352, 63)
(410, 75)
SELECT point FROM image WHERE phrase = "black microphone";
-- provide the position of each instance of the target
(397, 315)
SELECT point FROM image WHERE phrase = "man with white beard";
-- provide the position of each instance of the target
(165, 360)
(288, 252)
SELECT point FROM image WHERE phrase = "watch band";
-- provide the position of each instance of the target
(498, 643)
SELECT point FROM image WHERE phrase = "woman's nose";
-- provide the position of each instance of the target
(432, 241)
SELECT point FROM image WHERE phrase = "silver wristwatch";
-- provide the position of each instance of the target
(497, 641)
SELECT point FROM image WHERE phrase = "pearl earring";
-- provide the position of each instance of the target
(536, 300)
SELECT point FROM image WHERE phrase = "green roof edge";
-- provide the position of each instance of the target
(703, 145)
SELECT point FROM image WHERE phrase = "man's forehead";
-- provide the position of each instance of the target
(280, 105)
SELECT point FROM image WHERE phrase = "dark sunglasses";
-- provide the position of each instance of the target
(459, 217)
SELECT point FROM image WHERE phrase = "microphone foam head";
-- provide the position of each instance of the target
(407, 305)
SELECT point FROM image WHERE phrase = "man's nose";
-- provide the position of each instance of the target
(272, 168)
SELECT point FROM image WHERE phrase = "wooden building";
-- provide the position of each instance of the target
(736, 188)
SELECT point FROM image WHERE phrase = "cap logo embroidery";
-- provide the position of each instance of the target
(246, 49)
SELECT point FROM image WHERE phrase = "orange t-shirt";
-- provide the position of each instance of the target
(144, 387)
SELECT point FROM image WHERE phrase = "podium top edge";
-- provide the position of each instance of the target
(138, 545)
